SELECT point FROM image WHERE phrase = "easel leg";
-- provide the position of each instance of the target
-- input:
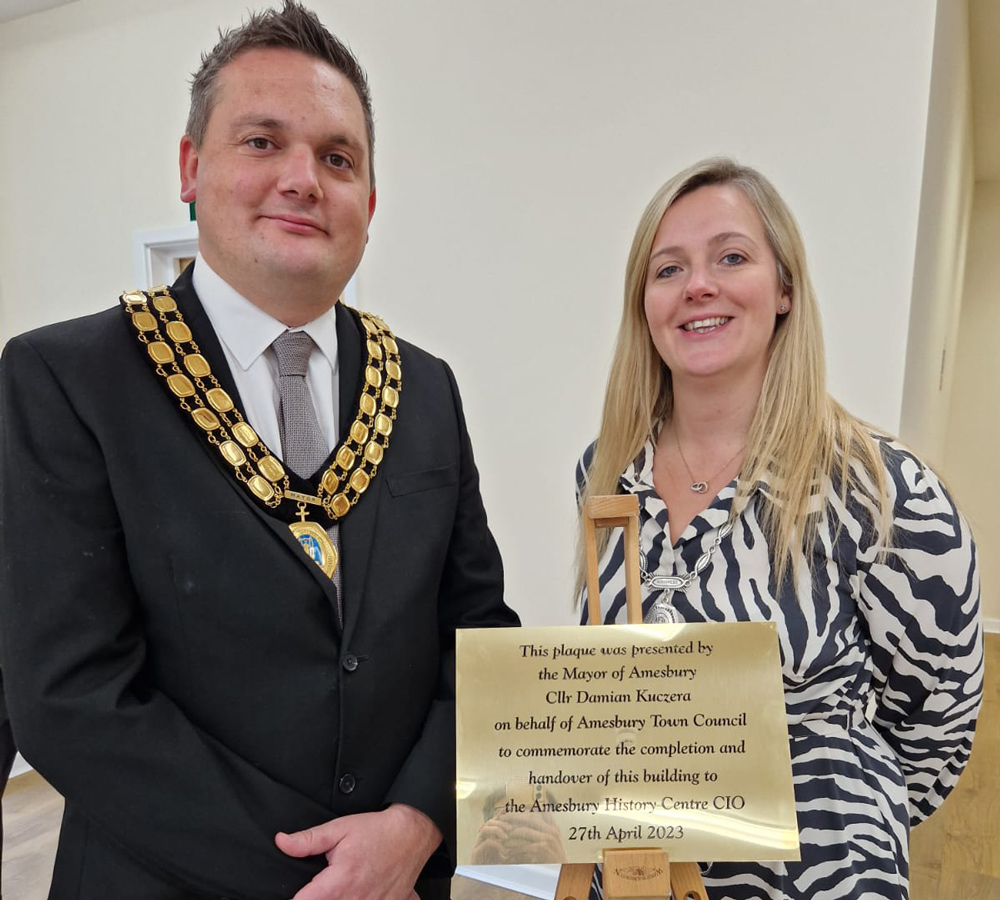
(574, 881)
(686, 883)
(620, 511)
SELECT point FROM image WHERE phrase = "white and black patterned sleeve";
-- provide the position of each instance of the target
(582, 471)
(921, 604)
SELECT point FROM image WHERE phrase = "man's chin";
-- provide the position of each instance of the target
(297, 264)
(303, 274)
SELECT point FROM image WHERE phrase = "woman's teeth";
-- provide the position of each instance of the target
(705, 325)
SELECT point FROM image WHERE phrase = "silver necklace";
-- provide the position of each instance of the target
(662, 611)
(701, 487)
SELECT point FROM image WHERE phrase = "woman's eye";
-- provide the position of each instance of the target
(667, 271)
(733, 259)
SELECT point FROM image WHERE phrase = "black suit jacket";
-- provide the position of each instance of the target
(173, 661)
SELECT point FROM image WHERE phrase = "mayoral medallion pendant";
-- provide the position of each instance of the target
(316, 543)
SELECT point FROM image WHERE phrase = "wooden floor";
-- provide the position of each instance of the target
(31, 813)
(955, 855)
(956, 852)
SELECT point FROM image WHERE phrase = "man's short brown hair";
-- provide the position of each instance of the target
(295, 28)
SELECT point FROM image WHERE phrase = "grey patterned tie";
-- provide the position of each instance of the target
(303, 447)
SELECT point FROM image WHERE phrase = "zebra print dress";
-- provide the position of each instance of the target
(882, 664)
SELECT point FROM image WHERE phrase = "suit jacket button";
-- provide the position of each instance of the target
(347, 784)
(350, 662)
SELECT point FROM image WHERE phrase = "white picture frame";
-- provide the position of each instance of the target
(158, 253)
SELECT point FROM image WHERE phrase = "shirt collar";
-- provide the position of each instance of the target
(245, 329)
(639, 475)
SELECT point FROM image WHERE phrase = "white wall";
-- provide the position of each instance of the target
(974, 423)
(939, 266)
(517, 144)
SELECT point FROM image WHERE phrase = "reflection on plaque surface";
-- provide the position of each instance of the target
(576, 740)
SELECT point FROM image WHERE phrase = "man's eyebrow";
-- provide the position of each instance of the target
(720, 238)
(258, 121)
(344, 140)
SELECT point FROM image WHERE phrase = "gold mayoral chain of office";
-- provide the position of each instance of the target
(176, 358)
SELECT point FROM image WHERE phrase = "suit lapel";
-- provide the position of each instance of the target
(357, 528)
(211, 348)
(205, 336)
(349, 341)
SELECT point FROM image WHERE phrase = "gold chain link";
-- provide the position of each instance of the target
(356, 462)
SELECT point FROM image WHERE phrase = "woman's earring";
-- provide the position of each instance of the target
(782, 308)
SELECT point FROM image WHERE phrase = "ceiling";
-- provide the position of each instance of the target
(15, 9)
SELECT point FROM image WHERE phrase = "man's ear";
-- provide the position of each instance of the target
(371, 209)
(189, 169)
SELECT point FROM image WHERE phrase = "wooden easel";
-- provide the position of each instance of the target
(622, 511)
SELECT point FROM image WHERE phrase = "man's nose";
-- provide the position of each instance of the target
(300, 173)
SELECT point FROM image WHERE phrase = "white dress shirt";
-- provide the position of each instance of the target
(246, 333)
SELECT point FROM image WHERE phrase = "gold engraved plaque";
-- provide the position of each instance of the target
(373, 376)
(390, 344)
(180, 385)
(220, 400)
(197, 365)
(367, 404)
(373, 452)
(164, 304)
(370, 326)
(383, 424)
(179, 332)
(144, 321)
(233, 453)
(160, 352)
(359, 432)
(360, 480)
(391, 396)
(205, 418)
(374, 349)
(244, 434)
(619, 736)
(393, 369)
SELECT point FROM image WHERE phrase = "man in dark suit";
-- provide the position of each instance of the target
(8, 753)
(233, 657)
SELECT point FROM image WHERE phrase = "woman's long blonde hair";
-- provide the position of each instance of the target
(800, 438)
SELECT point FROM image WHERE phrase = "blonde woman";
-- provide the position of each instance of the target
(774, 503)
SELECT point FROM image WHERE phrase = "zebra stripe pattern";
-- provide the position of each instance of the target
(882, 664)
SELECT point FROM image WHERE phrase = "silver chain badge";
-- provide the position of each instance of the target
(662, 611)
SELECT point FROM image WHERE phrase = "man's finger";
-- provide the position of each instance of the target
(314, 841)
